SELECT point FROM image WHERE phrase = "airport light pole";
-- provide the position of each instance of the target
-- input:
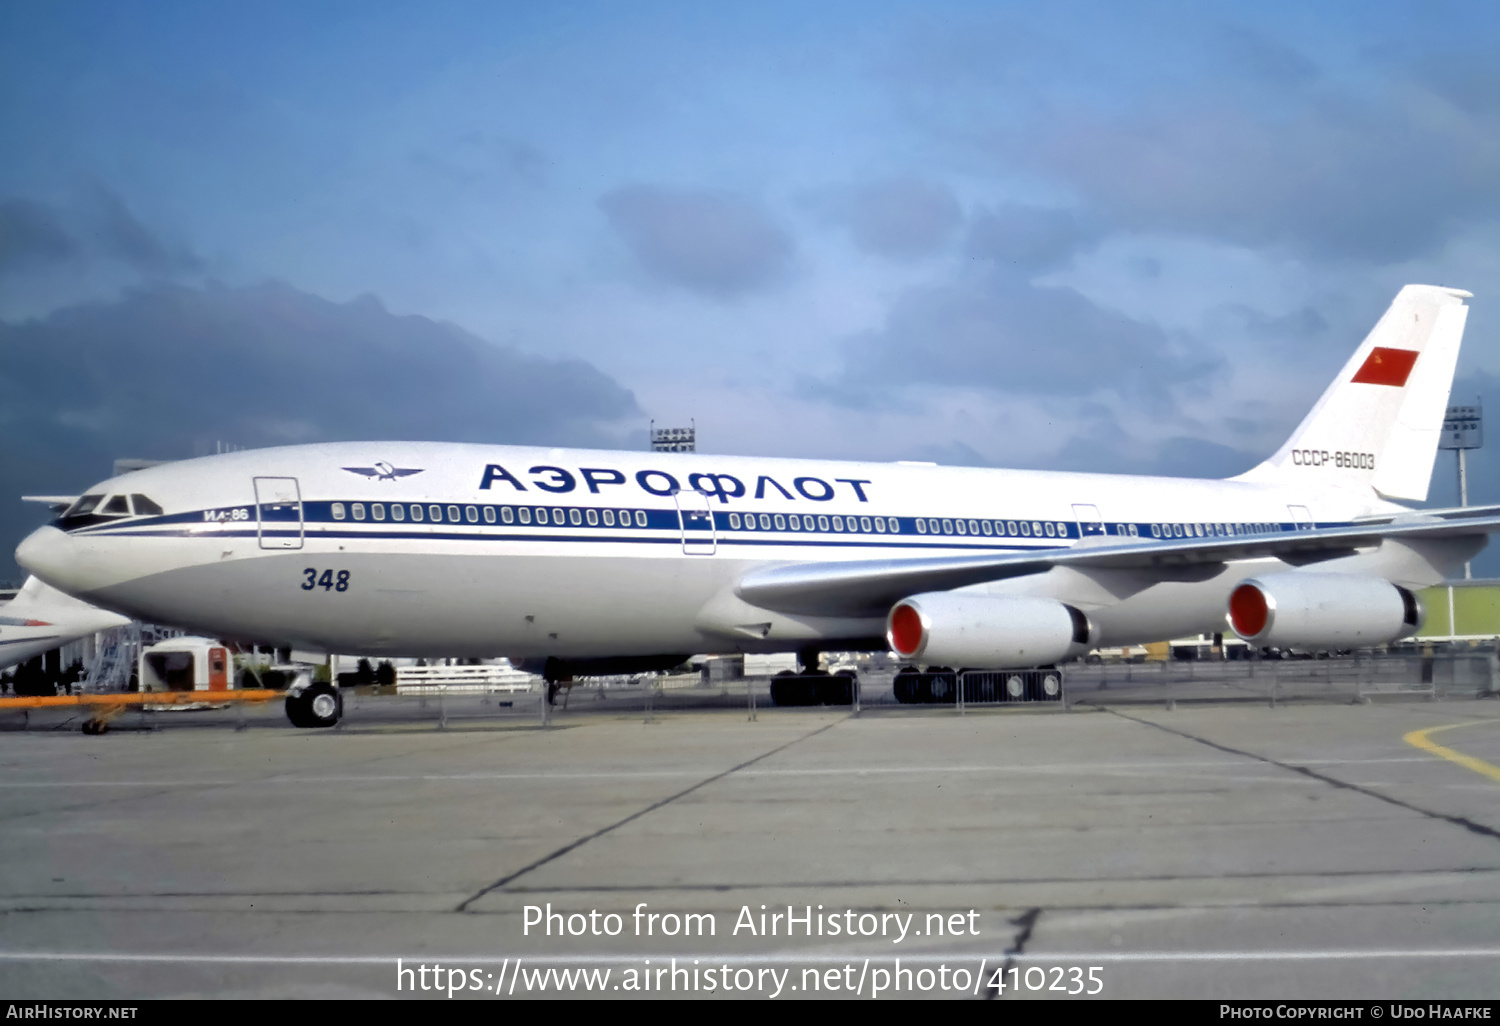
(1463, 429)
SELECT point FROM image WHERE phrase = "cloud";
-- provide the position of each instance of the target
(168, 371)
(954, 453)
(1029, 239)
(118, 233)
(99, 229)
(900, 218)
(484, 160)
(1178, 456)
(1001, 333)
(1290, 332)
(714, 243)
(1265, 60)
(1380, 178)
(1102, 445)
(31, 233)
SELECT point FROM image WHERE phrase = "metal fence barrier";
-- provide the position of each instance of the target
(977, 687)
(1355, 678)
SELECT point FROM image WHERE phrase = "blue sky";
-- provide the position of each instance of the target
(1103, 236)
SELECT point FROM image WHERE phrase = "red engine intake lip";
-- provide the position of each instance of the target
(905, 631)
(1250, 610)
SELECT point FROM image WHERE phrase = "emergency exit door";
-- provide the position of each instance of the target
(278, 505)
(1089, 523)
(697, 522)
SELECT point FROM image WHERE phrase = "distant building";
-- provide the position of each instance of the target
(1462, 611)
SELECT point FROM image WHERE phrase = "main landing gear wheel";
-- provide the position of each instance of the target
(938, 686)
(804, 689)
(316, 706)
(905, 686)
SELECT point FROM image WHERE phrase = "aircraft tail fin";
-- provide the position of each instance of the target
(1379, 422)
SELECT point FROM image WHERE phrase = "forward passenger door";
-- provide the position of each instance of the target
(278, 506)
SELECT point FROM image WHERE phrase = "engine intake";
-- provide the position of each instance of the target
(1310, 610)
(994, 632)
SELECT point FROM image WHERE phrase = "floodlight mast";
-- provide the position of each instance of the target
(1463, 429)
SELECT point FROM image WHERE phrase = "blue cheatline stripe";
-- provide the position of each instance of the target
(874, 542)
(933, 532)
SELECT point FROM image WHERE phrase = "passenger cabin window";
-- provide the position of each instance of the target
(359, 510)
(144, 507)
(398, 511)
(338, 511)
(117, 505)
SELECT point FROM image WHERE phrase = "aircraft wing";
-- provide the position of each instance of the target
(870, 587)
(40, 618)
(57, 502)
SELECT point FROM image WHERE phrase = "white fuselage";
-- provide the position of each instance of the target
(408, 548)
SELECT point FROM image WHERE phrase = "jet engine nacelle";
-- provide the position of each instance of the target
(954, 629)
(1311, 610)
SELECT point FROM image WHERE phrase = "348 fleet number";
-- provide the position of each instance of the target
(328, 580)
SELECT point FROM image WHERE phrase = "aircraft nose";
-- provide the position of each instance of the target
(52, 555)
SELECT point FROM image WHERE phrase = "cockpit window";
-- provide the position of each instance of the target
(144, 507)
(117, 505)
(85, 504)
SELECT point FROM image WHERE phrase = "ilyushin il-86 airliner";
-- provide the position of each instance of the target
(589, 561)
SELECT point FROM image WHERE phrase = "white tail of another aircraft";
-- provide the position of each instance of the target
(1379, 422)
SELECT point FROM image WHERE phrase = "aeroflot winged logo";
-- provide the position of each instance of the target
(383, 471)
